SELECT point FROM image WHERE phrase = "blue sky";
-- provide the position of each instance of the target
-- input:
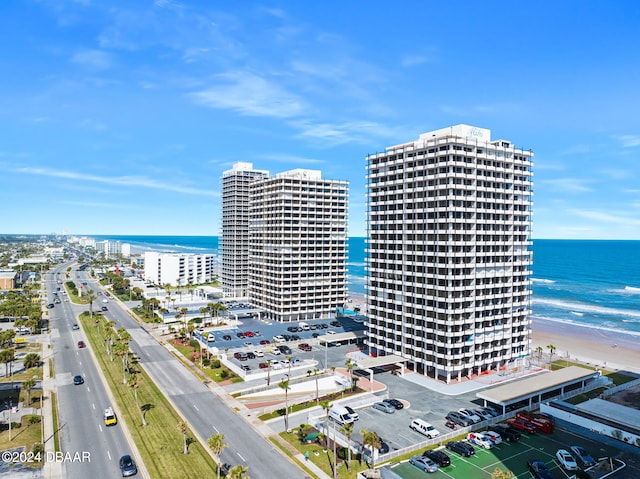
(119, 117)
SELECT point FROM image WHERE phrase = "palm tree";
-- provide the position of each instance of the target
(268, 362)
(122, 350)
(7, 356)
(217, 444)
(347, 430)
(539, 352)
(91, 297)
(182, 427)
(315, 375)
(238, 472)
(284, 384)
(31, 360)
(28, 385)
(551, 349)
(350, 364)
(133, 384)
(372, 440)
(326, 405)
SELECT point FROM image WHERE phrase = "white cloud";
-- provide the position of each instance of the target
(629, 141)
(284, 158)
(339, 133)
(618, 218)
(251, 95)
(138, 181)
(94, 59)
(568, 185)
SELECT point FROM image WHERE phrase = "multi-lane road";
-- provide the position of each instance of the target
(206, 412)
(80, 407)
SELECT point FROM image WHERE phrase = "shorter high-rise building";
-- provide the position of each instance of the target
(297, 245)
(179, 269)
(234, 241)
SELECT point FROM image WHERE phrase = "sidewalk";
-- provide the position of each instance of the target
(51, 469)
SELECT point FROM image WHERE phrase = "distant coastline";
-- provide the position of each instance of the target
(588, 283)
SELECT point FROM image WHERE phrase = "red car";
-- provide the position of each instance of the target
(81, 345)
(305, 347)
(248, 334)
(264, 341)
(263, 365)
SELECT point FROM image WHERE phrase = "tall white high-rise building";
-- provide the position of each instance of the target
(449, 227)
(234, 241)
(298, 245)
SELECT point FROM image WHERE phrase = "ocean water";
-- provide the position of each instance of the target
(590, 283)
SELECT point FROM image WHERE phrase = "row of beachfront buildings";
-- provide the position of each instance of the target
(448, 257)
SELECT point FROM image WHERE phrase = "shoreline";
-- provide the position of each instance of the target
(601, 347)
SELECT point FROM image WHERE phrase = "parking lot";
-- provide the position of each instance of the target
(509, 456)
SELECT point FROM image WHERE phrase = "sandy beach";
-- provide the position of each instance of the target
(597, 347)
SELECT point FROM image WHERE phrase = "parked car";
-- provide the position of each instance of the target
(459, 419)
(240, 356)
(470, 414)
(483, 414)
(384, 447)
(293, 329)
(258, 353)
(424, 463)
(248, 334)
(305, 347)
(394, 402)
(128, 466)
(284, 349)
(251, 355)
(335, 324)
(246, 367)
(279, 339)
(522, 425)
(463, 448)
(227, 337)
(240, 335)
(78, 380)
(489, 410)
(263, 365)
(275, 351)
(494, 436)
(264, 342)
(384, 407)
(480, 439)
(508, 434)
(439, 457)
(566, 460)
(539, 469)
(583, 458)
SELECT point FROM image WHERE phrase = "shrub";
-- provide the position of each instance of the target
(206, 361)
(215, 364)
(224, 373)
(33, 419)
(38, 449)
(194, 344)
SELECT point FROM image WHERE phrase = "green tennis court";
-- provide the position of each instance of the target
(508, 456)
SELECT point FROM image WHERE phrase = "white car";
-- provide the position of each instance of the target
(276, 365)
(275, 351)
(566, 460)
(494, 436)
(279, 339)
(479, 439)
(470, 414)
(259, 354)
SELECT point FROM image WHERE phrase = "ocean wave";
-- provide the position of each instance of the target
(576, 313)
(635, 334)
(586, 308)
(631, 289)
(542, 280)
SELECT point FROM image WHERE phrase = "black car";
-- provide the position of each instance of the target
(240, 335)
(539, 469)
(439, 457)
(335, 324)
(323, 325)
(463, 448)
(251, 355)
(227, 337)
(508, 434)
(284, 349)
(384, 447)
(127, 466)
(293, 329)
(394, 402)
(77, 380)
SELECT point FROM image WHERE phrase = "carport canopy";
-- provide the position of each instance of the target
(334, 338)
(535, 387)
(380, 361)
